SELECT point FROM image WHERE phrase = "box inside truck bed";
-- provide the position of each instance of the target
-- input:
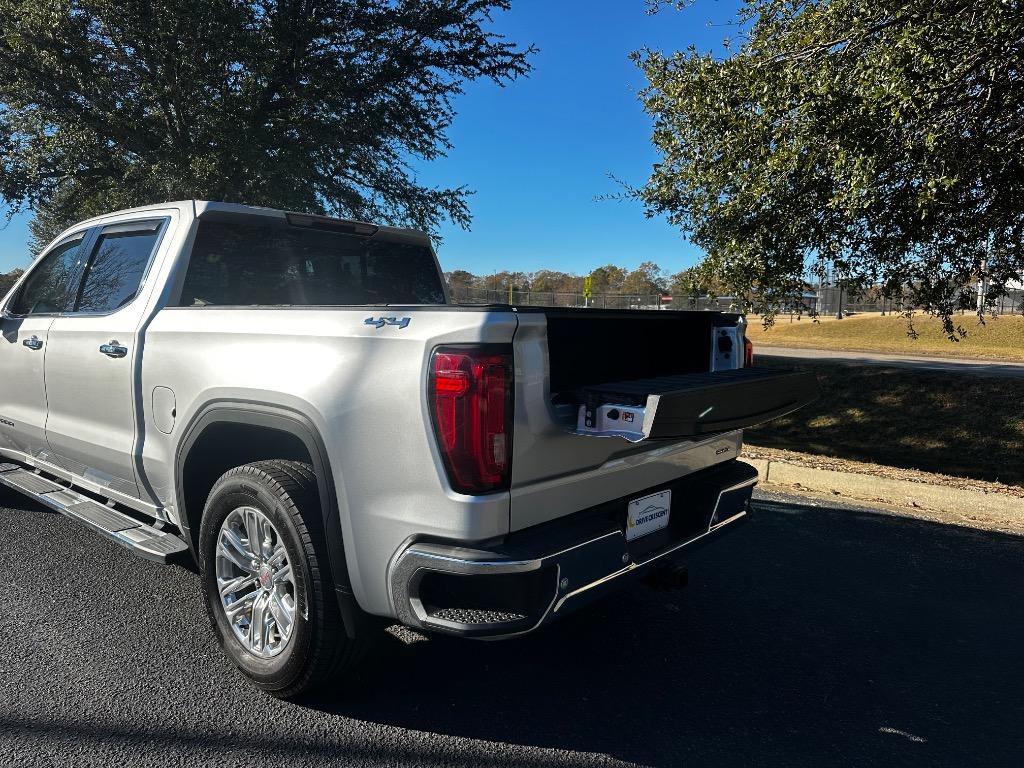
(650, 374)
(593, 346)
(698, 404)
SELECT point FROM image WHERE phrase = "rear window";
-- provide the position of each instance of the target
(249, 263)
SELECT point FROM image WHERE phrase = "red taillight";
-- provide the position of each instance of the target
(470, 391)
(748, 353)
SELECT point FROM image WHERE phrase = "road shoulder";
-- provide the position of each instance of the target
(924, 495)
(978, 366)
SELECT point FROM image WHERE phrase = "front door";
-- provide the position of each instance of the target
(28, 313)
(93, 356)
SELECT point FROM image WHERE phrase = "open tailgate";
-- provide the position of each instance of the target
(692, 404)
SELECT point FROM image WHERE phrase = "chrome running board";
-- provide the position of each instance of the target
(144, 540)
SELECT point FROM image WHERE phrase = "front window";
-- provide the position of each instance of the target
(48, 288)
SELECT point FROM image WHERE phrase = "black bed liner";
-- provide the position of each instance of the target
(696, 404)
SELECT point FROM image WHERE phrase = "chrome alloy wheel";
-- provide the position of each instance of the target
(255, 580)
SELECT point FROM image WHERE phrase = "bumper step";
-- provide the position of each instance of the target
(144, 540)
(535, 575)
(474, 616)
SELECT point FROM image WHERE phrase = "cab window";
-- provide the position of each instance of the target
(49, 287)
(117, 266)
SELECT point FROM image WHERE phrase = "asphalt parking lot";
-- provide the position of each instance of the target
(810, 636)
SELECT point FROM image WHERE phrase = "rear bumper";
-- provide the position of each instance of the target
(536, 575)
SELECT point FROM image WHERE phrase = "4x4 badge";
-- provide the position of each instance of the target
(380, 322)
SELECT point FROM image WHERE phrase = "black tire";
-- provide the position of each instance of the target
(319, 649)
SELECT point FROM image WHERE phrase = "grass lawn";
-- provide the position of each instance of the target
(966, 426)
(999, 338)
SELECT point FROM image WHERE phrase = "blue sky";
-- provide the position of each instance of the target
(539, 151)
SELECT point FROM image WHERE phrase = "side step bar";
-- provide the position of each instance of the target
(144, 540)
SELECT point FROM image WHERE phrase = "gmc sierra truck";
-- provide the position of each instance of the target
(290, 404)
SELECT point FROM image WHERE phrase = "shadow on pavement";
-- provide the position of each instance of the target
(808, 636)
(910, 419)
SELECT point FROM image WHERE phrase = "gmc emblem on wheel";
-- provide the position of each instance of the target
(380, 322)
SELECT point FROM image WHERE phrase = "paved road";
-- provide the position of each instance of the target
(811, 636)
(940, 364)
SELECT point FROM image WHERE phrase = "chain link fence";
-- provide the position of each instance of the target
(826, 300)
(830, 300)
(597, 301)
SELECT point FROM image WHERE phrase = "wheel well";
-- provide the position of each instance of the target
(225, 445)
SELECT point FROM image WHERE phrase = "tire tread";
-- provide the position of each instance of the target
(331, 649)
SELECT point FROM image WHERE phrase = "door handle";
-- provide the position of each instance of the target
(33, 343)
(113, 349)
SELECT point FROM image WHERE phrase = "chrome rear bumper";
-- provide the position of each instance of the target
(536, 575)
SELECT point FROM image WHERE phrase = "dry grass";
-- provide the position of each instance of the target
(965, 426)
(999, 338)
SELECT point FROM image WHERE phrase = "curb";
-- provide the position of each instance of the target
(971, 505)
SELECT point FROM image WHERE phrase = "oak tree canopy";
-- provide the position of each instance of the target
(312, 105)
(882, 142)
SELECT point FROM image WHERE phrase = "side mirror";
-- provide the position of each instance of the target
(9, 325)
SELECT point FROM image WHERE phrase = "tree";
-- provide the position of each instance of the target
(880, 141)
(313, 105)
(547, 280)
(607, 279)
(460, 282)
(8, 280)
(645, 280)
(687, 284)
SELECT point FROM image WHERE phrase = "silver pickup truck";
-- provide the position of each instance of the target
(289, 402)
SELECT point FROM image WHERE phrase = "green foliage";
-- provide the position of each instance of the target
(460, 281)
(645, 280)
(549, 280)
(313, 105)
(607, 279)
(693, 283)
(880, 141)
(8, 279)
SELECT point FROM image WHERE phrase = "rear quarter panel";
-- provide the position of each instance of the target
(363, 388)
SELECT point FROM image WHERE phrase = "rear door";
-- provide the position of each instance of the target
(28, 313)
(92, 356)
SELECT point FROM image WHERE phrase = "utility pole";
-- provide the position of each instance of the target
(983, 278)
(839, 305)
(982, 287)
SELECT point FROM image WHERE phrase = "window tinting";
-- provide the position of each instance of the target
(246, 263)
(115, 270)
(48, 287)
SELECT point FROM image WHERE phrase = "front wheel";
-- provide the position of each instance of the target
(267, 585)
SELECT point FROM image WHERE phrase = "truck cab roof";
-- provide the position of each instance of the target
(212, 209)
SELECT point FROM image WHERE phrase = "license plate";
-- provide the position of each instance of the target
(648, 514)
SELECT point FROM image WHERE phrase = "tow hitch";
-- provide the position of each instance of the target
(668, 578)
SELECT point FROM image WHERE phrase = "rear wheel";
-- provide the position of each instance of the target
(269, 593)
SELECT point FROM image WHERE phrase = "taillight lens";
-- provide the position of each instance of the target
(748, 353)
(470, 392)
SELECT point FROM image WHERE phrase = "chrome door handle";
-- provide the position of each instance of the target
(33, 343)
(113, 349)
